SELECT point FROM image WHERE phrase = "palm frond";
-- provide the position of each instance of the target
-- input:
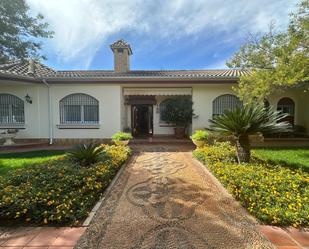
(249, 120)
(86, 154)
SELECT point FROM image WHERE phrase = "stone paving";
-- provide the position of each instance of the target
(40, 237)
(164, 199)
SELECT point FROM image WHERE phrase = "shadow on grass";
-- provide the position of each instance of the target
(31, 154)
(300, 151)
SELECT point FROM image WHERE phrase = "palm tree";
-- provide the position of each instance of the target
(244, 121)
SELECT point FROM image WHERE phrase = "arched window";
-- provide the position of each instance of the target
(11, 110)
(79, 108)
(224, 102)
(162, 108)
(287, 106)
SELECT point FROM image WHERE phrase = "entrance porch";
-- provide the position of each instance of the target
(142, 111)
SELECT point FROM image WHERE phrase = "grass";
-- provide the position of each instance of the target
(12, 161)
(293, 157)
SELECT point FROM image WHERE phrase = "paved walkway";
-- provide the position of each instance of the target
(164, 199)
(40, 237)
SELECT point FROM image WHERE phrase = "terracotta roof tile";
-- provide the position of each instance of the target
(23, 68)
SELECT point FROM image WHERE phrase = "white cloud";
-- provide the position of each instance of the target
(81, 26)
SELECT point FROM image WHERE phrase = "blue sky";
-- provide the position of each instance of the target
(163, 34)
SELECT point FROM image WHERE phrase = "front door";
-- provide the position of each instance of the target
(142, 120)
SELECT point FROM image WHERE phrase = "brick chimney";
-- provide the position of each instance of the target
(122, 52)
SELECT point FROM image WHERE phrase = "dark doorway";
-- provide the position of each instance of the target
(142, 120)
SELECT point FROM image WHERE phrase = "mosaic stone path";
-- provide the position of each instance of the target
(164, 199)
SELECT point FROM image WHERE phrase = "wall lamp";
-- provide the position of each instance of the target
(28, 99)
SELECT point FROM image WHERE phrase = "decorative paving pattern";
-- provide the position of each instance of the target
(165, 200)
(166, 236)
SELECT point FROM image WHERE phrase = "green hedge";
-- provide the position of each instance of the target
(274, 194)
(59, 191)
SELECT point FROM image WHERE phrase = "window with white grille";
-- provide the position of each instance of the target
(11, 110)
(79, 108)
(162, 108)
(225, 102)
(287, 106)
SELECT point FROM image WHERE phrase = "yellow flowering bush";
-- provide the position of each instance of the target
(219, 152)
(58, 191)
(274, 194)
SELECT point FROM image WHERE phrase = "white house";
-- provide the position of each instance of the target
(79, 104)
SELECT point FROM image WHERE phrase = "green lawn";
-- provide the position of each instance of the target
(11, 161)
(294, 157)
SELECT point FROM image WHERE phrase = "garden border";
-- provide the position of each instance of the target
(222, 188)
(96, 207)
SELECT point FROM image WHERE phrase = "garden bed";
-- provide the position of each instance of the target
(58, 191)
(274, 194)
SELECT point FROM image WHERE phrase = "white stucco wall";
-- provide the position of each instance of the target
(36, 114)
(114, 115)
(202, 97)
(109, 98)
(301, 100)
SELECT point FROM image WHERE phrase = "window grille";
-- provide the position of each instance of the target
(286, 105)
(225, 102)
(11, 110)
(79, 109)
(162, 108)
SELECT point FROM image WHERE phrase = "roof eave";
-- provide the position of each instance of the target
(5, 76)
(144, 79)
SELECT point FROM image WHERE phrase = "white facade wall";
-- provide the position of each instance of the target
(301, 100)
(37, 118)
(36, 114)
(202, 97)
(109, 98)
(114, 115)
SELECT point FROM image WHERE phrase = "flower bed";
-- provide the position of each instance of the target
(59, 191)
(274, 194)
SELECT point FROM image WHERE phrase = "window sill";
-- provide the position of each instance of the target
(166, 125)
(12, 126)
(78, 126)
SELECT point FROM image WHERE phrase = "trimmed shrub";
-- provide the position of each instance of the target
(121, 136)
(59, 191)
(200, 135)
(220, 151)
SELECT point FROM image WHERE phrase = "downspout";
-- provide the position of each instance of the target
(50, 113)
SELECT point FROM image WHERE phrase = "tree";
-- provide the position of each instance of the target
(20, 33)
(275, 60)
(248, 120)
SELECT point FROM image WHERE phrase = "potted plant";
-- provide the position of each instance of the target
(200, 137)
(178, 112)
(9, 135)
(121, 138)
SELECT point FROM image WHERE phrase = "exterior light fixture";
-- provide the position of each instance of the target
(28, 99)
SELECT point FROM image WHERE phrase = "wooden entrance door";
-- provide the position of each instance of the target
(142, 120)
